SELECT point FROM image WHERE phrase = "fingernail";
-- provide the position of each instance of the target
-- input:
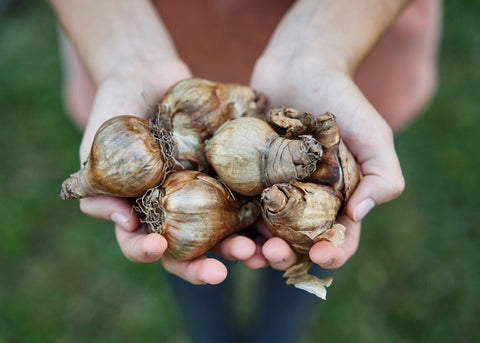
(119, 219)
(363, 208)
(154, 254)
(328, 263)
(277, 261)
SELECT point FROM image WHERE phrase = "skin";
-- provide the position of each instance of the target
(308, 63)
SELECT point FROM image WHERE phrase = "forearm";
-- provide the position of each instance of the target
(337, 33)
(116, 36)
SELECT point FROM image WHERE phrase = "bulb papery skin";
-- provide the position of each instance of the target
(189, 152)
(337, 167)
(273, 199)
(248, 156)
(309, 212)
(350, 169)
(194, 211)
(125, 160)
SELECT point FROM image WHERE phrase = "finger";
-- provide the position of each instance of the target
(118, 210)
(329, 256)
(236, 248)
(140, 247)
(199, 271)
(262, 228)
(257, 260)
(382, 178)
(279, 254)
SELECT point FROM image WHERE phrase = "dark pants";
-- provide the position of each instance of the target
(279, 315)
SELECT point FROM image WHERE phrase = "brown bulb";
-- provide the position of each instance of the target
(200, 106)
(302, 213)
(125, 160)
(194, 211)
(248, 155)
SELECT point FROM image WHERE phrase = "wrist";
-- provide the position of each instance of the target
(288, 81)
(336, 34)
(115, 37)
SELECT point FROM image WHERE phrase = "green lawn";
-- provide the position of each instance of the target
(63, 278)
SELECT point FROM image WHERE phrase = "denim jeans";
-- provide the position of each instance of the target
(279, 316)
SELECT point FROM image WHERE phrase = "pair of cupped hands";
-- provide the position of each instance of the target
(301, 83)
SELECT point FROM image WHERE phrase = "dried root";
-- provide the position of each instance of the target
(151, 210)
(161, 128)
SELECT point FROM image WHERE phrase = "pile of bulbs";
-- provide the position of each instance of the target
(211, 161)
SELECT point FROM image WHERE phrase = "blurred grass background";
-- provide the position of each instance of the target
(63, 278)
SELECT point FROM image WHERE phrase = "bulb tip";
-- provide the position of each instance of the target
(274, 199)
(67, 191)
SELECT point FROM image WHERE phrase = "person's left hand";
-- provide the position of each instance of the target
(307, 85)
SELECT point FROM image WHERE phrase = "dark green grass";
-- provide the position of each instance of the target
(63, 279)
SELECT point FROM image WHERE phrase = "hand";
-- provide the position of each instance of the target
(127, 95)
(132, 62)
(307, 85)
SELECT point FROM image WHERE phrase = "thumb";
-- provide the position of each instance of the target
(382, 181)
(111, 208)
